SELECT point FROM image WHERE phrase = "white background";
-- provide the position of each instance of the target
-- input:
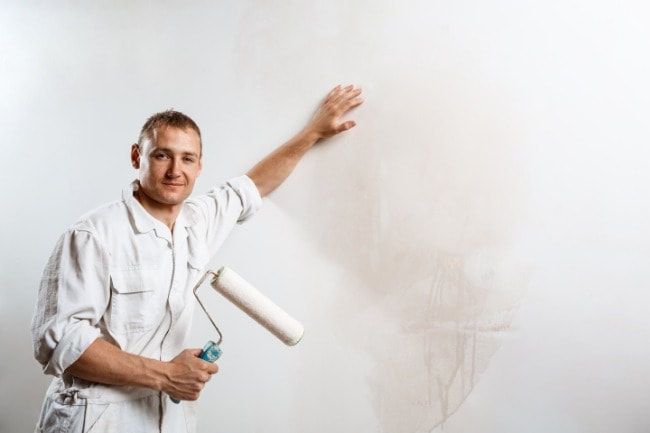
(502, 154)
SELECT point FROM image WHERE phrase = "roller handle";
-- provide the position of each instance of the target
(210, 353)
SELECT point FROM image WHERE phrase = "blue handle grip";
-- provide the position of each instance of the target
(210, 353)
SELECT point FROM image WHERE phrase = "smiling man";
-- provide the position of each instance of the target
(115, 302)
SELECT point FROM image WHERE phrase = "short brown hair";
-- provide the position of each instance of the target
(170, 117)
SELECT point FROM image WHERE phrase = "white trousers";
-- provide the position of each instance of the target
(152, 414)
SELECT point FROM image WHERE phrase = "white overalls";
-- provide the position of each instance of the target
(122, 275)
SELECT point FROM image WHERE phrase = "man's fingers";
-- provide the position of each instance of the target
(212, 368)
(333, 92)
(354, 92)
(345, 97)
(340, 91)
(351, 103)
(343, 102)
(343, 94)
(208, 367)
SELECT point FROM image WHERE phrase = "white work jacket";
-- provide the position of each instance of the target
(122, 275)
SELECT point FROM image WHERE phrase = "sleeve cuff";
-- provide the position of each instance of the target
(249, 195)
(69, 349)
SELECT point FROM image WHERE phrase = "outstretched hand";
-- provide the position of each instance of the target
(271, 171)
(327, 119)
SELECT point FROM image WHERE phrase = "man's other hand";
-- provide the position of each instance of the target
(187, 374)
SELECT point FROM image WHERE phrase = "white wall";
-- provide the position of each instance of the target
(471, 258)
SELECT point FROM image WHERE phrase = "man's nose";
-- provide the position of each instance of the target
(174, 169)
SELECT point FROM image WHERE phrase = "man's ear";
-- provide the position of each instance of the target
(135, 156)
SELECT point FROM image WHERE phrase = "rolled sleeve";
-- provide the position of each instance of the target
(251, 201)
(236, 201)
(73, 297)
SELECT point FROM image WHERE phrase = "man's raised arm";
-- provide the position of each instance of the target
(270, 172)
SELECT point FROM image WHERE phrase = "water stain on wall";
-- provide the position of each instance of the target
(419, 206)
(449, 327)
(423, 223)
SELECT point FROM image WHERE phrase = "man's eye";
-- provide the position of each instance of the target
(160, 156)
(188, 159)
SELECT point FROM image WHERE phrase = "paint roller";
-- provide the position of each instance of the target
(260, 308)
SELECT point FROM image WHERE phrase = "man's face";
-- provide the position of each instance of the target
(168, 167)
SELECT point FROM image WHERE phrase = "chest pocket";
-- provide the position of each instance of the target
(134, 306)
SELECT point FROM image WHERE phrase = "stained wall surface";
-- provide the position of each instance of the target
(472, 257)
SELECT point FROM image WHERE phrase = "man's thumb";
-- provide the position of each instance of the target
(346, 125)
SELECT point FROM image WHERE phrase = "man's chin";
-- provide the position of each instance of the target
(172, 198)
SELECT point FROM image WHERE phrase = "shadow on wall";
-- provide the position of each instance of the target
(419, 206)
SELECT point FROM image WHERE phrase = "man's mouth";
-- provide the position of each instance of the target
(173, 184)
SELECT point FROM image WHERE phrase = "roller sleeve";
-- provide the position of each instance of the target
(248, 299)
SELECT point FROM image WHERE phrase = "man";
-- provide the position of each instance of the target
(115, 302)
